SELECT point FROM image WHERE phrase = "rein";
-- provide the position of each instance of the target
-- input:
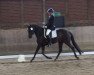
(44, 32)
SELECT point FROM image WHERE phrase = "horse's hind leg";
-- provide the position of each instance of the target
(60, 50)
(75, 44)
(77, 47)
(38, 47)
(43, 49)
(73, 49)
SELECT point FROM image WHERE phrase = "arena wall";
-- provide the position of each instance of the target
(16, 41)
(15, 14)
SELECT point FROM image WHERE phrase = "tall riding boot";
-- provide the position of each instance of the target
(49, 41)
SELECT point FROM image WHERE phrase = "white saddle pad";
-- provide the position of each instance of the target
(54, 34)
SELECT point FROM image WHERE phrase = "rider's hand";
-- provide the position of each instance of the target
(44, 26)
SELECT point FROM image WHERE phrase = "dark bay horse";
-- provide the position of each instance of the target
(63, 36)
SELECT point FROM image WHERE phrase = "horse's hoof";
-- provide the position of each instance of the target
(31, 61)
(49, 57)
(77, 58)
(55, 59)
(82, 52)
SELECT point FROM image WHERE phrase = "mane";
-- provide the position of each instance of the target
(36, 26)
(38, 29)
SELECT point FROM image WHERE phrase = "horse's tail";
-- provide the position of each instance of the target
(75, 44)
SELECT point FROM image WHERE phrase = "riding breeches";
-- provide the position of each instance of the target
(48, 32)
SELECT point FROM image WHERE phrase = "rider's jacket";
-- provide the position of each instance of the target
(50, 23)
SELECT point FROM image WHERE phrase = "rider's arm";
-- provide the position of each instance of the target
(50, 21)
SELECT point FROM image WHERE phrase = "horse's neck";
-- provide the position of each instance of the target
(39, 32)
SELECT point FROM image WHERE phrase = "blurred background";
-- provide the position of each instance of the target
(76, 16)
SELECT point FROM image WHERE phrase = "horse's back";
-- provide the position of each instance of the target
(63, 31)
(63, 34)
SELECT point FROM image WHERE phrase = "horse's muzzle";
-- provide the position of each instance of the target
(30, 36)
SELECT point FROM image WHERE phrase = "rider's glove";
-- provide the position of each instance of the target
(44, 26)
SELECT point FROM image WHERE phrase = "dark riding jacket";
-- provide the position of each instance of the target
(50, 23)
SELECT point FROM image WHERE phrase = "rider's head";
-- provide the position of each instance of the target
(50, 11)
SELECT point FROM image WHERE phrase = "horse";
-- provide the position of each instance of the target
(63, 36)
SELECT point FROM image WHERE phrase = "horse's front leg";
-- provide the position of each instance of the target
(37, 49)
(43, 49)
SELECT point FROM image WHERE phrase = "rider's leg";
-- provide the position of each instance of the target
(48, 32)
(48, 35)
(49, 40)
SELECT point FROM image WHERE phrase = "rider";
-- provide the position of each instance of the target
(50, 24)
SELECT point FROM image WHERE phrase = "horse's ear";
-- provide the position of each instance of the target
(26, 24)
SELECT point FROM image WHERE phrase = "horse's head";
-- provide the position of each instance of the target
(30, 31)
(35, 29)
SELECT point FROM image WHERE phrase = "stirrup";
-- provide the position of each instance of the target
(48, 45)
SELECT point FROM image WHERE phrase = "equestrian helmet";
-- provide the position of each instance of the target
(50, 10)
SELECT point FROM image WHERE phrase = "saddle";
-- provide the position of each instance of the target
(53, 33)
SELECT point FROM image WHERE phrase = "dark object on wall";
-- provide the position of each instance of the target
(59, 21)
